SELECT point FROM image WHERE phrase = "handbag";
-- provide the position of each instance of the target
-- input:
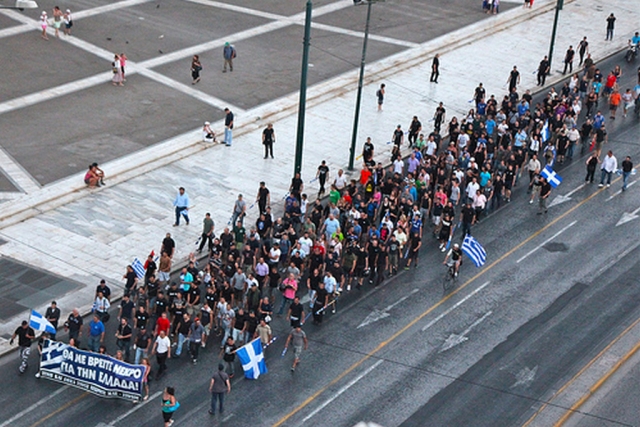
(106, 317)
(173, 408)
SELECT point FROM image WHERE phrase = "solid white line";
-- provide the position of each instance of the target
(389, 307)
(570, 193)
(476, 323)
(360, 34)
(13, 31)
(106, 8)
(620, 191)
(16, 173)
(339, 392)
(453, 307)
(547, 241)
(34, 406)
(134, 409)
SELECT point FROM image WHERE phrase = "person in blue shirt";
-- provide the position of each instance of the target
(181, 204)
(96, 333)
(598, 120)
(490, 125)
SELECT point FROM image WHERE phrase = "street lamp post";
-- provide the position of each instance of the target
(356, 119)
(303, 90)
(559, 5)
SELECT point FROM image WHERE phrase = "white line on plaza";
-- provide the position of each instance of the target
(34, 406)
(18, 29)
(16, 173)
(339, 392)
(107, 8)
(135, 408)
(546, 241)
(189, 90)
(453, 307)
(620, 191)
(359, 34)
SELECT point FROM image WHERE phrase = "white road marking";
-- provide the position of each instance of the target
(34, 406)
(339, 392)
(546, 241)
(525, 377)
(455, 339)
(376, 315)
(453, 307)
(620, 191)
(561, 199)
(17, 174)
(626, 217)
(135, 408)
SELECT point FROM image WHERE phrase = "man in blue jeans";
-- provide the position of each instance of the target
(627, 167)
(219, 385)
(228, 127)
(609, 166)
(96, 333)
(181, 204)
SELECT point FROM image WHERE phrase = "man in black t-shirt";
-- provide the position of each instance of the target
(268, 138)
(142, 344)
(102, 287)
(123, 337)
(393, 250)
(322, 174)
(53, 316)
(296, 313)
(74, 326)
(398, 136)
(296, 186)
(468, 217)
(126, 308)
(263, 198)
(414, 129)
(25, 336)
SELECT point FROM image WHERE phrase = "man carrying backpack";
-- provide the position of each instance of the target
(229, 52)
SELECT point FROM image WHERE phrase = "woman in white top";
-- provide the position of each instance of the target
(118, 78)
(68, 22)
(44, 25)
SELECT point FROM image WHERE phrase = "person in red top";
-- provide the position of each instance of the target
(614, 102)
(610, 83)
(365, 174)
(163, 324)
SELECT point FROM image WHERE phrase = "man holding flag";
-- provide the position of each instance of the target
(545, 192)
(252, 359)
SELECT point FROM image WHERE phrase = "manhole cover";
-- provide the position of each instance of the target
(556, 247)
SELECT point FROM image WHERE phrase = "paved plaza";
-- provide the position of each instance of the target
(61, 113)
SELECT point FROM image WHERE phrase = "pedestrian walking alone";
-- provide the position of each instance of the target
(218, 387)
(543, 70)
(228, 127)
(229, 53)
(181, 204)
(169, 405)
(196, 67)
(207, 232)
(583, 49)
(514, 79)
(611, 23)
(268, 138)
(568, 60)
(380, 96)
(298, 339)
(435, 69)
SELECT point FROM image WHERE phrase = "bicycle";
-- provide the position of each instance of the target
(450, 278)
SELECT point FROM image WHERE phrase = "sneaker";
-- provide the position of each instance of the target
(146, 397)
(348, 288)
(531, 201)
(293, 369)
(339, 289)
(211, 412)
(608, 185)
(195, 361)
(444, 249)
(38, 375)
(203, 345)
(333, 311)
(600, 185)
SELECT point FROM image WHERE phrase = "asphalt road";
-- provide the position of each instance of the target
(555, 290)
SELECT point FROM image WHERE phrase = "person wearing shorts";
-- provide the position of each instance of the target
(298, 339)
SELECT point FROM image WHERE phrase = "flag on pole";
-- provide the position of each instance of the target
(138, 268)
(546, 132)
(252, 359)
(475, 251)
(39, 323)
(551, 176)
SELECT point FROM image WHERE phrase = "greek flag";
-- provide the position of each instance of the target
(474, 250)
(549, 174)
(39, 323)
(252, 359)
(138, 268)
(546, 132)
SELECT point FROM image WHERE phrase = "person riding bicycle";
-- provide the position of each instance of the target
(454, 258)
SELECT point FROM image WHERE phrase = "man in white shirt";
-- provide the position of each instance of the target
(162, 350)
(306, 243)
(472, 188)
(463, 140)
(398, 166)
(609, 165)
(341, 181)
(431, 146)
(274, 254)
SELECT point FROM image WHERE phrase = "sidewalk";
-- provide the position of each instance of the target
(88, 235)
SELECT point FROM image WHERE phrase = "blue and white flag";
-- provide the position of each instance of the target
(252, 359)
(473, 249)
(551, 176)
(39, 323)
(546, 132)
(138, 267)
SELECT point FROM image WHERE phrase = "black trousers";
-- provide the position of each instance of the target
(434, 76)
(268, 149)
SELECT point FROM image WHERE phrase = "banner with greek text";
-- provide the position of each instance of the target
(95, 373)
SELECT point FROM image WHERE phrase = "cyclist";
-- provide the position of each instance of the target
(454, 259)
